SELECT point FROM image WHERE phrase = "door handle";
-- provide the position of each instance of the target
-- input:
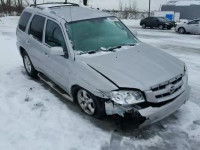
(27, 41)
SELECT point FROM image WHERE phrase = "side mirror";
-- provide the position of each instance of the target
(56, 51)
(134, 33)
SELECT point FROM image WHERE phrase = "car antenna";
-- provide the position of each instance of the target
(35, 3)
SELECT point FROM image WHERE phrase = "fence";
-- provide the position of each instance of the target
(128, 14)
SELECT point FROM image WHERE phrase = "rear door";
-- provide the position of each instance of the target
(148, 21)
(35, 41)
(22, 30)
(154, 22)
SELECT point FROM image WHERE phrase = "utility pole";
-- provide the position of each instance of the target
(149, 8)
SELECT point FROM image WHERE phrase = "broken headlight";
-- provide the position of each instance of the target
(127, 97)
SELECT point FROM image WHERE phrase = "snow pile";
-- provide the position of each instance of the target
(131, 22)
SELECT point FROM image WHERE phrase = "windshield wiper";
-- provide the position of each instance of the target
(106, 50)
(120, 46)
(95, 51)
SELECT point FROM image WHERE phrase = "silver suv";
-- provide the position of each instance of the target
(92, 58)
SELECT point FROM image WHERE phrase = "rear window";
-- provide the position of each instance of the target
(24, 20)
(36, 27)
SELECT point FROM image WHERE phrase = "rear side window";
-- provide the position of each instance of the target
(36, 27)
(194, 22)
(24, 20)
(54, 36)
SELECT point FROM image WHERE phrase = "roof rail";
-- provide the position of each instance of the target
(71, 4)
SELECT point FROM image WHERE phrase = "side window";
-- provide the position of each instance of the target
(24, 20)
(36, 27)
(194, 22)
(154, 19)
(54, 36)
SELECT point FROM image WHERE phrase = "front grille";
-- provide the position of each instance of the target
(168, 88)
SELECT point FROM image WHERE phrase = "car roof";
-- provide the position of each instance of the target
(70, 12)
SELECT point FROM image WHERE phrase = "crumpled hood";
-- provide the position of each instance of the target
(139, 67)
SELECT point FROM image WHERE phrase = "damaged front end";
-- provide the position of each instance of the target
(150, 110)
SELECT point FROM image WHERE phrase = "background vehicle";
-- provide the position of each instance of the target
(192, 27)
(104, 68)
(173, 22)
(156, 22)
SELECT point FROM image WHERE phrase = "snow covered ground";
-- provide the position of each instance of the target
(32, 116)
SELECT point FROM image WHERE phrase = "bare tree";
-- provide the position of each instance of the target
(120, 5)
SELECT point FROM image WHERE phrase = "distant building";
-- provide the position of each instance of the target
(189, 9)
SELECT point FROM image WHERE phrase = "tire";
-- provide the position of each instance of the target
(161, 27)
(181, 30)
(90, 104)
(144, 26)
(29, 66)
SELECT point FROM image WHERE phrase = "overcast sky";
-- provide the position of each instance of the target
(114, 4)
(142, 5)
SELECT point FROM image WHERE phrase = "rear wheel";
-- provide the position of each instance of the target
(181, 30)
(90, 104)
(144, 26)
(29, 66)
(161, 27)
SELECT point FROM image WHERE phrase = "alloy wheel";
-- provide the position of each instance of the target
(86, 102)
(27, 63)
(161, 27)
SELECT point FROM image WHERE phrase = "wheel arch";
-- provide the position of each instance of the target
(76, 87)
(74, 90)
(22, 50)
(182, 27)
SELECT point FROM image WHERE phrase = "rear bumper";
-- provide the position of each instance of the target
(150, 114)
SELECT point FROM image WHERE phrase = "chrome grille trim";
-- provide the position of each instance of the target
(162, 92)
(164, 84)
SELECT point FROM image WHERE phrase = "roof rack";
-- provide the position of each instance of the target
(71, 4)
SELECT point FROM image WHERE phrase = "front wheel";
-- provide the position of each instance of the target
(29, 66)
(90, 104)
(181, 30)
(161, 27)
(144, 26)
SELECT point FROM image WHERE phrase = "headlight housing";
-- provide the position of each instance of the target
(166, 23)
(127, 97)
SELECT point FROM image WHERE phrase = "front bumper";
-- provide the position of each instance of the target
(168, 26)
(151, 114)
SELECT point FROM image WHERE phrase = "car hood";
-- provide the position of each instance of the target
(139, 67)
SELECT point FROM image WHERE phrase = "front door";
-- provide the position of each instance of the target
(58, 66)
(193, 27)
